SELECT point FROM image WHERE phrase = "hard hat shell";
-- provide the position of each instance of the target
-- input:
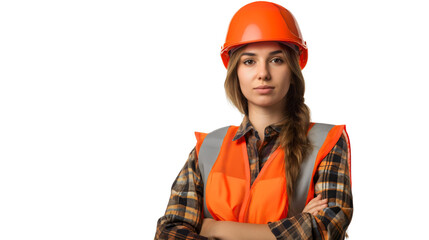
(263, 21)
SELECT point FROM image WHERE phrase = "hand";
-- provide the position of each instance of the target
(207, 230)
(315, 205)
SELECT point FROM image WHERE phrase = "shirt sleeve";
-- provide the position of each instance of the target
(333, 182)
(183, 217)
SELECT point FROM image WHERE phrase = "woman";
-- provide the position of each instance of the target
(276, 175)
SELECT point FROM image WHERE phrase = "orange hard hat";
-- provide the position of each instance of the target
(263, 21)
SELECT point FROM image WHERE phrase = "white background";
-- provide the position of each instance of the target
(99, 101)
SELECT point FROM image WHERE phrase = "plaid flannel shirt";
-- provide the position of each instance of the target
(183, 217)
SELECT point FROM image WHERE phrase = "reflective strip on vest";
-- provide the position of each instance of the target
(317, 136)
(209, 151)
(212, 144)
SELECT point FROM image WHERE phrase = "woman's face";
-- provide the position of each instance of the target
(264, 75)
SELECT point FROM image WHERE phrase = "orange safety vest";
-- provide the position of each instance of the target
(224, 167)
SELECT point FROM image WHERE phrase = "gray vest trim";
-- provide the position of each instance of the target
(208, 154)
(317, 136)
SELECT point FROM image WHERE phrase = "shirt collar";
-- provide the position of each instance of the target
(246, 126)
(277, 127)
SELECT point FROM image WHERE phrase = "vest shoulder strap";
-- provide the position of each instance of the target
(207, 155)
(317, 136)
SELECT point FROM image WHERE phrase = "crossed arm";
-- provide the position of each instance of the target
(183, 217)
(247, 231)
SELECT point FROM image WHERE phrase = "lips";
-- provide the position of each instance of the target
(264, 87)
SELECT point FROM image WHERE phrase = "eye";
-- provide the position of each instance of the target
(277, 60)
(248, 62)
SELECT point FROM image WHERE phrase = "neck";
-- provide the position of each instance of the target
(262, 117)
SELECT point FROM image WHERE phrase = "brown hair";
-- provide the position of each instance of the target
(293, 137)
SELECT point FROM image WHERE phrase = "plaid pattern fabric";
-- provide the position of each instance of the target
(183, 217)
(184, 214)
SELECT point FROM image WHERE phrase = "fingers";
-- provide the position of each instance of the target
(315, 205)
(323, 204)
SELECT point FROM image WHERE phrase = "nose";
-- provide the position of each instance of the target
(264, 73)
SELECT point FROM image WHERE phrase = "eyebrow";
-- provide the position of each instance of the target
(252, 54)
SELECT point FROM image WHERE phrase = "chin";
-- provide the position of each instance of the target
(266, 104)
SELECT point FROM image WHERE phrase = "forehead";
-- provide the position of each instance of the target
(262, 47)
